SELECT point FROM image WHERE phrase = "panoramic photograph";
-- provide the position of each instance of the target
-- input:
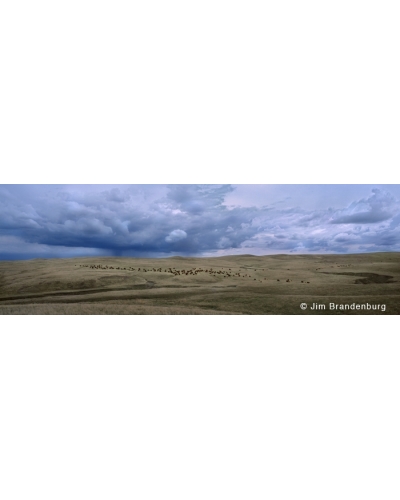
(188, 249)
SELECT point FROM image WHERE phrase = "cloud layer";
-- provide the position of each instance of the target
(139, 220)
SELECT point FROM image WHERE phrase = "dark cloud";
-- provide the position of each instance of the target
(363, 218)
(187, 219)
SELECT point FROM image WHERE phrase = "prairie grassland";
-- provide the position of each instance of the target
(243, 284)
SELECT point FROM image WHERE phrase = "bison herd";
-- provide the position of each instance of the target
(194, 271)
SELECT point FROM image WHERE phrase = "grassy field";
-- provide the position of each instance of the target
(242, 284)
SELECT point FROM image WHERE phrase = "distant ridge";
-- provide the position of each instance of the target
(180, 257)
(244, 255)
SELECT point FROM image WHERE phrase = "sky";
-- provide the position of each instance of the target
(49, 221)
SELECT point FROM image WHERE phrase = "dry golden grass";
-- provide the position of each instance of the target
(100, 309)
(224, 285)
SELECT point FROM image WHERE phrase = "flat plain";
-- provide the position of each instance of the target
(242, 284)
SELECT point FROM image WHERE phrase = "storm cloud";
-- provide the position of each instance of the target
(162, 220)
